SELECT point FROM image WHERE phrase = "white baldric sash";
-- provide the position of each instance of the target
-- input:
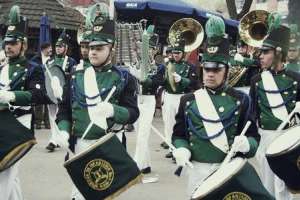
(65, 63)
(91, 90)
(207, 110)
(79, 66)
(4, 77)
(274, 99)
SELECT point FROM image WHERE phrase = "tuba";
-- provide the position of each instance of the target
(190, 30)
(193, 34)
(253, 29)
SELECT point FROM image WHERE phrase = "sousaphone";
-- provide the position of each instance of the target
(192, 32)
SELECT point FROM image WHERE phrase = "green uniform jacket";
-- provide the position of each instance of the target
(27, 82)
(73, 113)
(189, 80)
(232, 106)
(294, 66)
(288, 85)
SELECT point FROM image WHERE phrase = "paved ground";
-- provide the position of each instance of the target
(43, 176)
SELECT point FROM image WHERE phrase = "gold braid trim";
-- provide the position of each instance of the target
(15, 152)
(137, 180)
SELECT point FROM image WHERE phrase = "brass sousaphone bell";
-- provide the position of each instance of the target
(192, 32)
(188, 29)
(253, 27)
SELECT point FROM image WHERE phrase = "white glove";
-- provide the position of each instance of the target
(177, 77)
(62, 139)
(106, 109)
(238, 57)
(182, 156)
(7, 96)
(240, 144)
(56, 87)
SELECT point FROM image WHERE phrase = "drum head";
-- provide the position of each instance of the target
(50, 72)
(289, 140)
(91, 148)
(219, 177)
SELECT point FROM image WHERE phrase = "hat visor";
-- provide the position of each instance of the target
(10, 39)
(176, 51)
(98, 43)
(266, 47)
(212, 65)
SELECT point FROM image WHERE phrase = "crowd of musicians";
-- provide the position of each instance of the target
(219, 115)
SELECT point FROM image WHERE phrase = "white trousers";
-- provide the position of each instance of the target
(198, 174)
(10, 188)
(146, 104)
(52, 111)
(169, 110)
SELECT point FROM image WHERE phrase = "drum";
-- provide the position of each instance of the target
(283, 156)
(51, 71)
(234, 180)
(15, 139)
(104, 170)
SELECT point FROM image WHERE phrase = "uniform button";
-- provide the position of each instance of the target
(256, 84)
(73, 76)
(186, 113)
(191, 133)
(294, 101)
(26, 70)
(294, 92)
(22, 88)
(258, 101)
(238, 102)
(283, 75)
(18, 65)
(295, 82)
(103, 89)
(223, 94)
(38, 86)
(236, 112)
(236, 124)
(261, 116)
(262, 126)
(221, 109)
(188, 103)
(23, 78)
(286, 93)
(191, 144)
(109, 70)
(15, 74)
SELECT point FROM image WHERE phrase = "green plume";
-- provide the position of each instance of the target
(150, 29)
(94, 11)
(14, 15)
(215, 27)
(274, 21)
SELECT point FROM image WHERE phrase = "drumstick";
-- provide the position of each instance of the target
(172, 147)
(111, 92)
(231, 152)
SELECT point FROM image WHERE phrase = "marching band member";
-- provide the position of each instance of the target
(21, 85)
(244, 59)
(77, 113)
(293, 53)
(274, 94)
(67, 64)
(61, 49)
(180, 78)
(209, 121)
